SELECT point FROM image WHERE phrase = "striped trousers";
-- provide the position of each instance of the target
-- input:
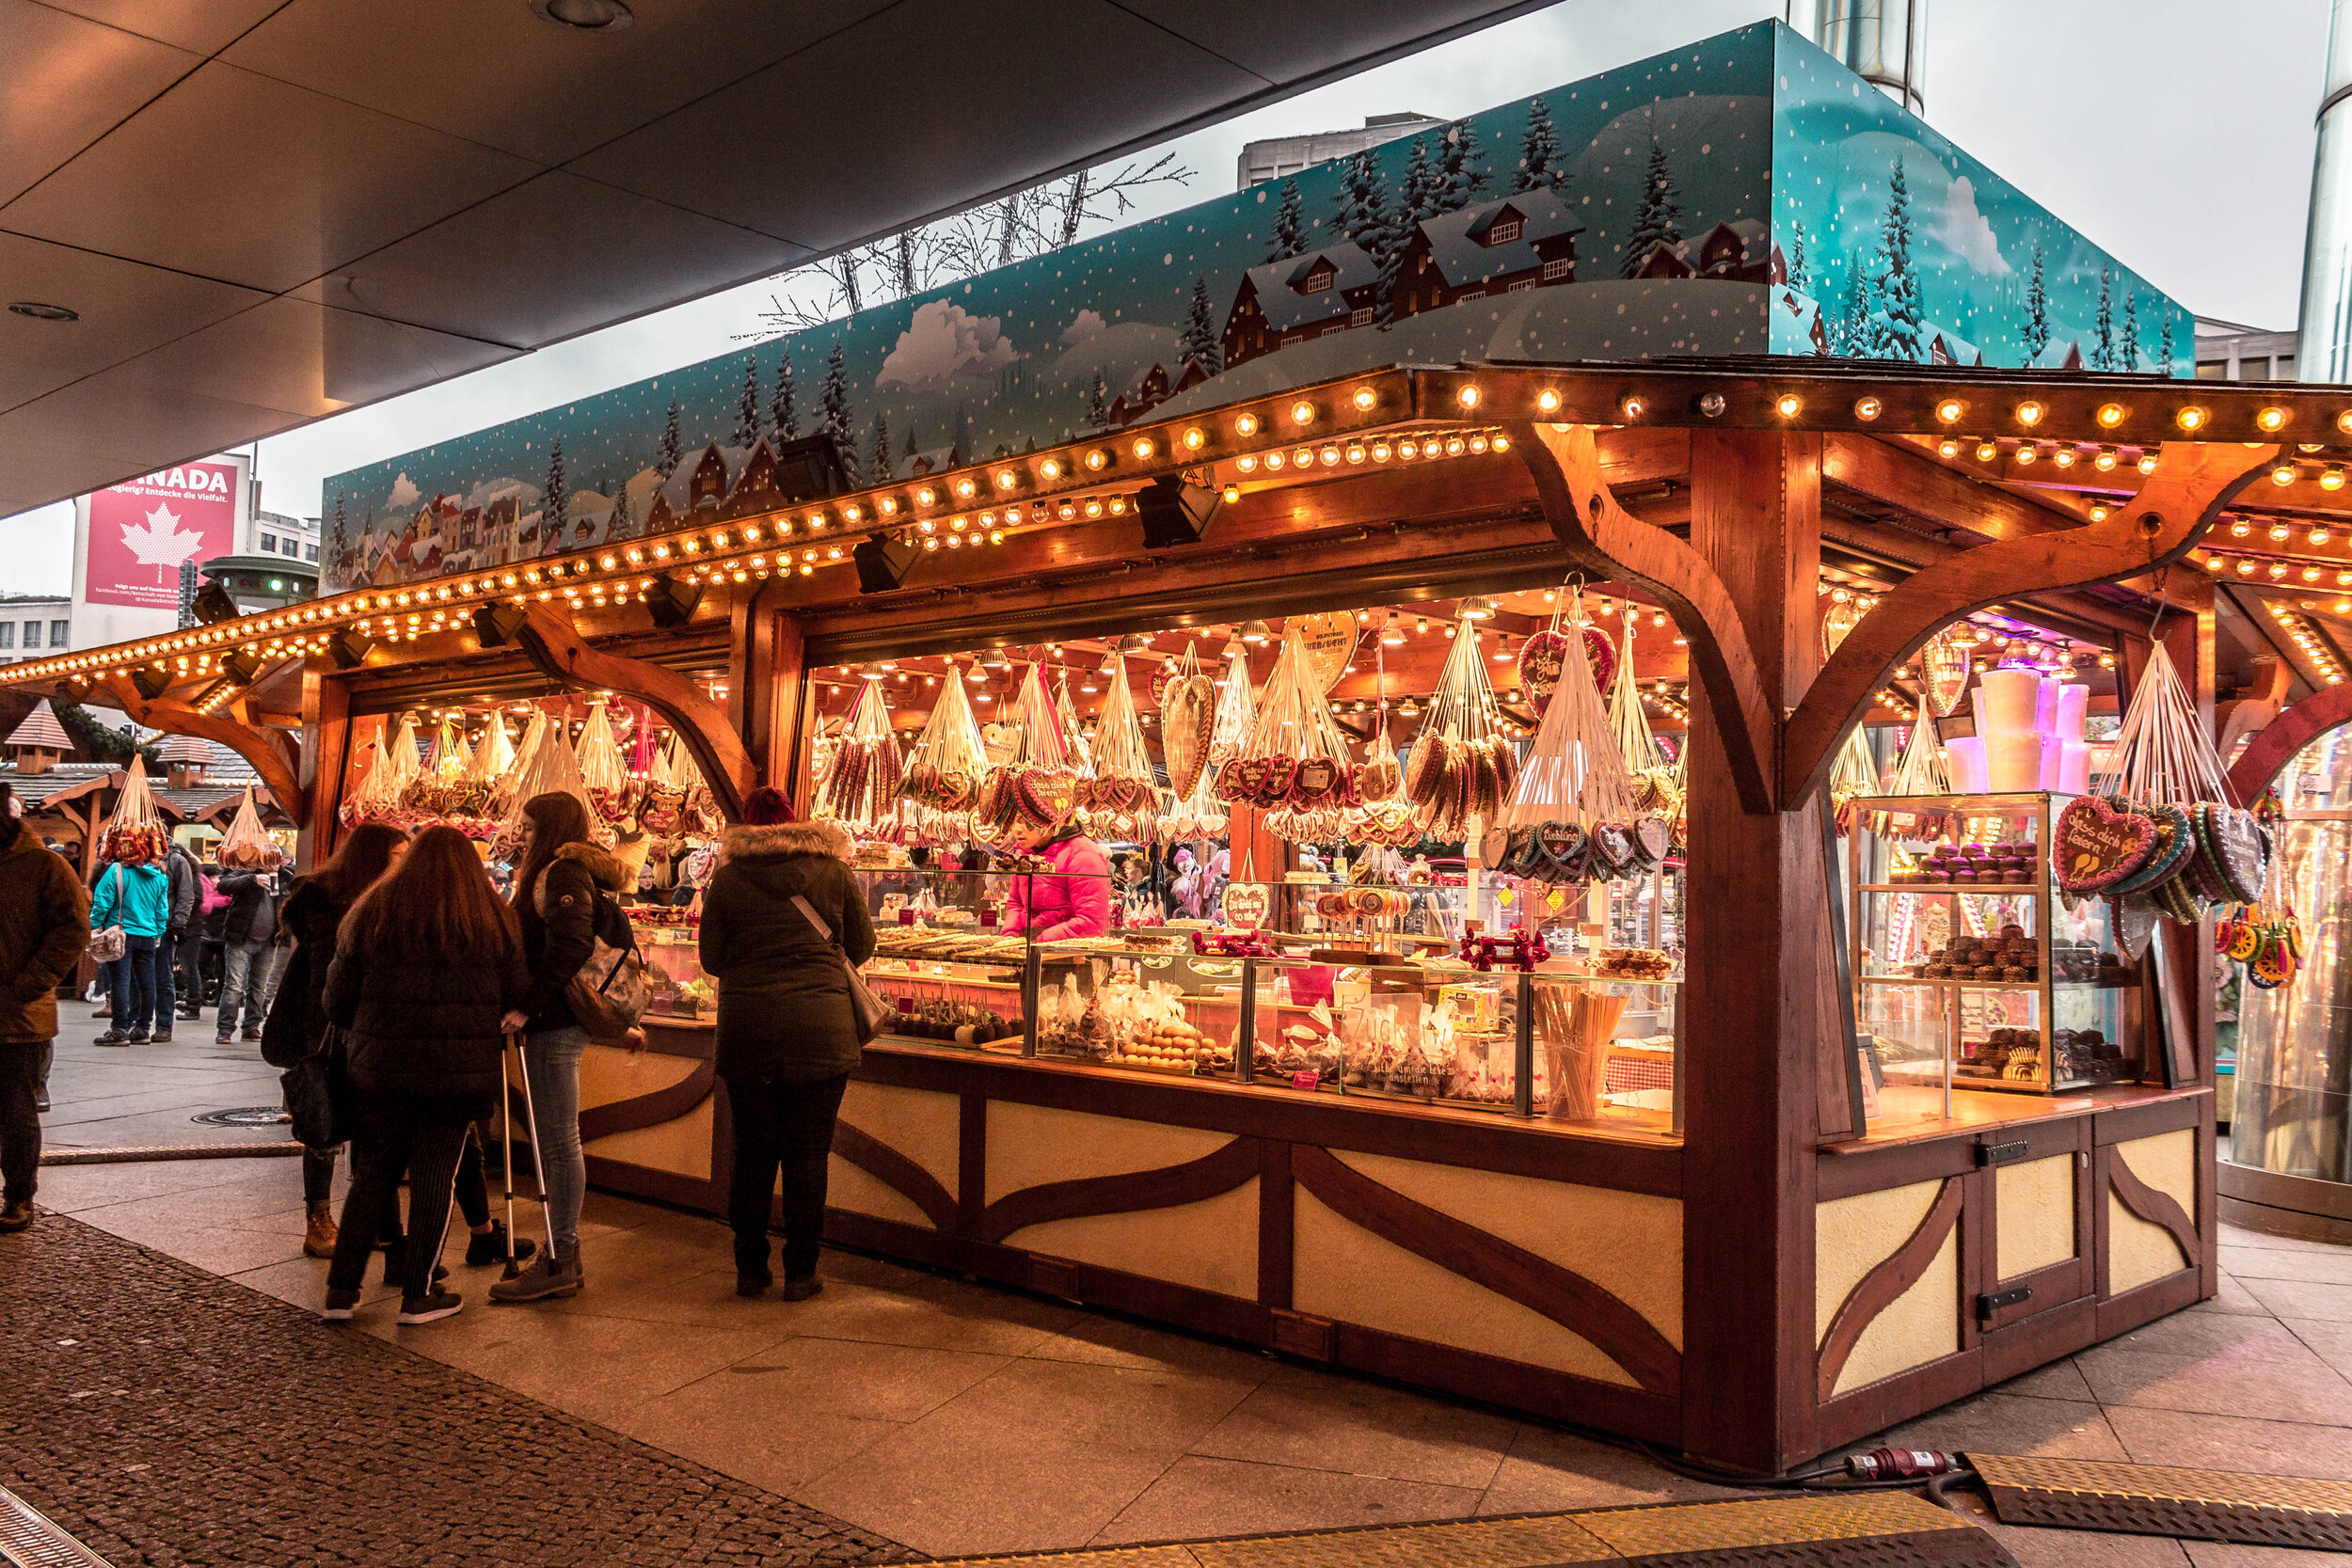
(395, 1133)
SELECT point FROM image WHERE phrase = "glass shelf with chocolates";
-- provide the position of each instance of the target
(1969, 974)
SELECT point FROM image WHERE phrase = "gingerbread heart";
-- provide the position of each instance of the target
(1494, 850)
(1048, 796)
(2233, 841)
(1188, 719)
(1240, 779)
(1651, 837)
(1601, 656)
(1613, 850)
(1425, 766)
(2175, 842)
(2094, 846)
(1542, 656)
(1315, 780)
(1274, 786)
(1562, 843)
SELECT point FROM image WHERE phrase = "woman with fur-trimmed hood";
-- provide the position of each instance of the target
(786, 1039)
(563, 899)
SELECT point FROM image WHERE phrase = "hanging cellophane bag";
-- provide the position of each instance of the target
(1294, 765)
(245, 846)
(1459, 766)
(1036, 793)
(1120, 789)
(603, 768)
(1073, 731)
(552, 767)
(492, 755)
(1380, 815)
(135, 832)
(406, 754)
(430, 794)
(506, 794)
(377, 794)
(1188, 716)
(946, 766)
(1236, 709)
(1573, 817)
(863, 778)
(1654, 780)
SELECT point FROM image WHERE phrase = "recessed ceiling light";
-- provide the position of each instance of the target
(41, 312)
(586, 16)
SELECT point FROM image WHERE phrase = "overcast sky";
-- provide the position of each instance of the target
(2177, 135)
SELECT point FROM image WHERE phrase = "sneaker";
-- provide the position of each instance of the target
(40, 1101)
(547, 1278)
(254, 1036)
(220, 1040)
(15, 1218)
(161, 1037)
(801, 1290)
(138, 1036)
(490, 1246)
(318, 1236)
(753, 1284)
(425, 1310)
(112, 1037)
(341, 1305)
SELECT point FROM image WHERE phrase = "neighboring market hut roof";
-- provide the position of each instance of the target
(187, 750)
(40, 728)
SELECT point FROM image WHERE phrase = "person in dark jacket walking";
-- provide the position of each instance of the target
(249, 960)
(562, 898)
(187, 890)
(44, 924)
(786, 1038)
(428, 974)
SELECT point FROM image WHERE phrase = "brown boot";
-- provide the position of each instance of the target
(318, 1237)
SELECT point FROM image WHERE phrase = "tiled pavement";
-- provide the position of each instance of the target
(115, 1097)
(957, 1419)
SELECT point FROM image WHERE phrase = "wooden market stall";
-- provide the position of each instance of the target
(1792, 1256)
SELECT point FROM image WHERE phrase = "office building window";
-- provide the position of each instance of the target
(56, 633)
(269, 544)
(2285, 367)
(32, 634)
(309, 553)
(2253, 369)
(7, 634)
(291, 547)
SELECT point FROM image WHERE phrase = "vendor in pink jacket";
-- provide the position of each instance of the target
(1073, 900)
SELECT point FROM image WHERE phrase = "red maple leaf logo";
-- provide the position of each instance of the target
(159, 541)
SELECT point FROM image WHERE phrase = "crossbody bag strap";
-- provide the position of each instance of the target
(824, 932)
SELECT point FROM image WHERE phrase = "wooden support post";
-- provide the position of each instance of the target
(764, 666)
(325, 758)
(1757, 944)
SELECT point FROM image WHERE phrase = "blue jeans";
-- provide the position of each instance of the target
(137, 991)
(551, 1058)
(248, 976)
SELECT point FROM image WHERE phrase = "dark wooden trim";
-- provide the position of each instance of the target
(1979, 1203)
(1602, 536)
(2193, 481)
(325, 758)
(1512, 1272)
(675, 1036)
(899, 1173)
(1126, 1193)
(1612, 1406)
(663, 1186)
(2052, 1285)
(558, 650)
(2208, 1252)
(2145, 1304)
(2157, 1208)
(1875, 1406)
(931, 1248)
(2170, 1115)
(971, 1162)
(1880, 1288)
(1360, 1123)
(1841, 1175)
(2035, 1340)
(648, 1110)
(1277, 1234)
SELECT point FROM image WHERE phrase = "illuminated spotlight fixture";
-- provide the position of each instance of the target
(1787, 405)
(1479, 607)
(2147, 464)
(2319, 535)
(1947, 447)
(2271, 420)
(1866, 408)
(2030, 411)
(1949, 410)
(1547, 400)
(2063, 455)
(2027, 451)
(672, 603)
(1988, 450)
(2191, 418)
(2110, 415)
(349, 648)
(1466, 397)
(2240, 529)
(1256, 631)
(213, 605)
(2100, 511)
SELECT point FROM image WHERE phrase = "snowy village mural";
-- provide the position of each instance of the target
(1743, 194)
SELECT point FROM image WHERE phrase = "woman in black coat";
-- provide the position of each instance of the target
(427, 978)
(786, 1038)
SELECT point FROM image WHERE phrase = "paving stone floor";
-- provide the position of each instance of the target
(957, 1418)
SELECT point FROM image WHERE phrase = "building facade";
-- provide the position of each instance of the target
(1279, 156)
(2230, 351)
(33, 624)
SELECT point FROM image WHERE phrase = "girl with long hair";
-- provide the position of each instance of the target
(428, 968)
(563, 902)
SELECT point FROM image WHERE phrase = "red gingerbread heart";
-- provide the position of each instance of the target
(2095, 846)
(1541, 659)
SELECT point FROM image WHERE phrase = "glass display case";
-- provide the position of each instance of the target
(1972, 973)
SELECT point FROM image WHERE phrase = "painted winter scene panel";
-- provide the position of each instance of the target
(1633, 214)
(1895, 245)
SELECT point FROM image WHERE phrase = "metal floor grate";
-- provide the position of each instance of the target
(28, 1540)
(2147, 1499)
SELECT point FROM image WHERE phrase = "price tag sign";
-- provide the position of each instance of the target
(1303, 1081)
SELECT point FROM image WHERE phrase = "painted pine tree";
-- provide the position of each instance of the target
(747, 405)
(834, 401)
(1418, 192)
(672, 453)
(1290, 225)
(1363, 200)
(1656, 219)
(621, 522)
(878, 473)
(1098, 403)
(2164, 344)
(2037, 333)
(959, 444)
(913, 451)
(2102, 328)
(1200, 346)
(2127, 349)
(1899, 289)
(1798, 279)
(554, 505)
(784, 415)
(1461, 177)
(1540, 165)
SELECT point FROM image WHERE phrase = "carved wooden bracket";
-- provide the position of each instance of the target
(2274, 744)
(275, 754)
(555, 647)
(1603, 537)
(2193, 481)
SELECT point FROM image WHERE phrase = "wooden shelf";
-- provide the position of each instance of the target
(2035, 890)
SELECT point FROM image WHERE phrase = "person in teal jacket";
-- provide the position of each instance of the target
(137, 898)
